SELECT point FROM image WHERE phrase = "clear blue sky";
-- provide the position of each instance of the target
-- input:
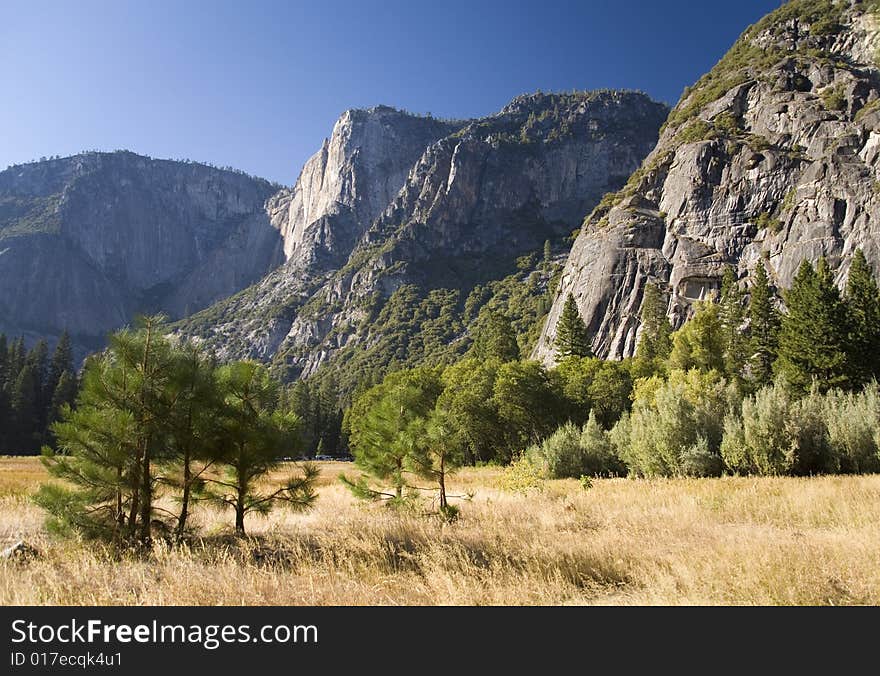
(257, 84)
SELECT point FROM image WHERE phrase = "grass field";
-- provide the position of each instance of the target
(687, 541)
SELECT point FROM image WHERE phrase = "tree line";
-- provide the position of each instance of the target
(753, 383)
(34, 388)
(158, 427)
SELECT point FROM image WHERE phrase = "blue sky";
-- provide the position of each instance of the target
(257, 84)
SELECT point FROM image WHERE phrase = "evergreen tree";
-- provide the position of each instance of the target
(328, 414)
(731, 314)
(467, 401)
(17, 355)
(5, 404)
(529, 403)
(254, 439)
(26, 409)
(548, 254)
(572, 335)
(300, 401)
(64, 395)
(763, 328)
(863, 308)
(189, 407)
(436, 454)
(813, 336)
(385, 425)
(39, 357)
(655, 341)
(62, 360)
(495, 337)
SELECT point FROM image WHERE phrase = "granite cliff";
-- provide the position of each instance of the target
(774, 154)
(88, 241)
(433, 206)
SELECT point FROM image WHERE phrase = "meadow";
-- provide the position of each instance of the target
(731, 540)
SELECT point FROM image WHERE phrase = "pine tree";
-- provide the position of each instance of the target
(329, 414)
(863, 308)
(64, 395)
(548, 254)
(731, 314)
(62, 360)
(188, 408)
(300, 401)
(495, 337)
(39, 357)
(655, 341)
(572, 335)
(813, 335)
(26, 409)
(5, 406)
(763, 328)
(254, 439)
(386, 424)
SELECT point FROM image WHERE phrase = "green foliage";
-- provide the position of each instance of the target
(696, 130)
(655, 341)
(767, 220)
(863, 312)
(495, 338)
(254, 436)
(595, 386)
(467, 400)
(522, 475)
(700, 343)
(833, 97)
(402, 429)
(572, 335)
(574, 452)
(813, 335)
(384, 424)
(763, 327)
(778, 434)
(151, 418)
(672, 421)
(528, 402)
(853, 423)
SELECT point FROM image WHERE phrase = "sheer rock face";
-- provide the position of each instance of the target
(459, 211)
(89, 240)
(347, 183)
(781, 162)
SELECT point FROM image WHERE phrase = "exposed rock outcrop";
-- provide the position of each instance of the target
(469, 204)
(88, 241)
(774, 154)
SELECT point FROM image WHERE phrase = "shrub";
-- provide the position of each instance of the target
(853, 424)
(833, 98)
(670, 419)
(523, 475)
(572, 452)
(778, 434)
(699, 461)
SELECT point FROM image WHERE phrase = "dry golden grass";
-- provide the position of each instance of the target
(702, 541)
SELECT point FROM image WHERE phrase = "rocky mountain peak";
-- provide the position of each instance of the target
(772, 155)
